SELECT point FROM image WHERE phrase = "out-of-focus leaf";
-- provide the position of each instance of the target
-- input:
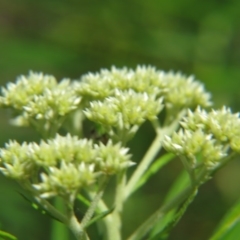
(6, 236)
(229, 227)
(38, 207)
(171, 217)
(180, 183)
(155, 167)
(82, 199)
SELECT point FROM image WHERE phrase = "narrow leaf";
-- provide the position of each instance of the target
(38, 207)
(229, 228)
(176, 216)
(154, 168)
(179, 184)
(83, 200)
(7, 236)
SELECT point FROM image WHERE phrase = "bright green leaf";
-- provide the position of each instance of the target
(82, 199)
(229, 228)
(180, 183)
(175, 216)
(7, 236)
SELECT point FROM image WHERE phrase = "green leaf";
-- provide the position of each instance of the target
(171, 217)
(82, 199)
(179, 184)
(7, 236)
(99, 216)
(154, 168)
(229, 227)
(175, 217)
(38, 207)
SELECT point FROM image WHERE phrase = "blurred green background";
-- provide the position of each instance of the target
(69, 38)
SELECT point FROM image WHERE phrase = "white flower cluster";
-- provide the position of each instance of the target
(125, 109)
(39, 96)
(116, 98)
(65, 163)
(112, 158)
(184, 92)
(119, 100)
(103, 84)
(206, 137)
(176, 88)
(14, 161)
(66, 180)
(124, 98)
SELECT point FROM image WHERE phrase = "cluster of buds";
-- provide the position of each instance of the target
(175, 88)
(122, 99)
(206, 137)
(66, 164)
(125, 110)
(39, 99)
(118, 100)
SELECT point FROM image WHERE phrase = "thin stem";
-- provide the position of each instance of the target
(73, 224)
(52, 210)
(87, 217)
(161, 212)
(119, 199)
(44, 203)
(151, 153)
(142, 167)
(111, 230)
(112, 221)
(189, 170)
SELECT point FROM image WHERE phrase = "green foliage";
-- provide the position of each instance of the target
(229, 227)
(6, 236)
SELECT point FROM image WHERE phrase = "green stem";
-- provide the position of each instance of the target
(189, 169)
(151, 153)
(112, 221)
(76, 228)
(92, 208)
(51, 209)
(44, 203)
(111, 230)
(142, 167)
(58, 230)
(73, 224)
(119, 199)
(162, 211)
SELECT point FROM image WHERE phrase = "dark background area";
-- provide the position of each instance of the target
(70, 38)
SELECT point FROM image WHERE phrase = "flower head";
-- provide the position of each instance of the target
(66, 180)
(111, 158)
(210, 135)
(125, 109)
(39, 97)
(177, 89)
(16, 161)
(64, 164)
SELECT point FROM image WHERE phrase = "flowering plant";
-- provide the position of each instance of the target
(68, 166)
